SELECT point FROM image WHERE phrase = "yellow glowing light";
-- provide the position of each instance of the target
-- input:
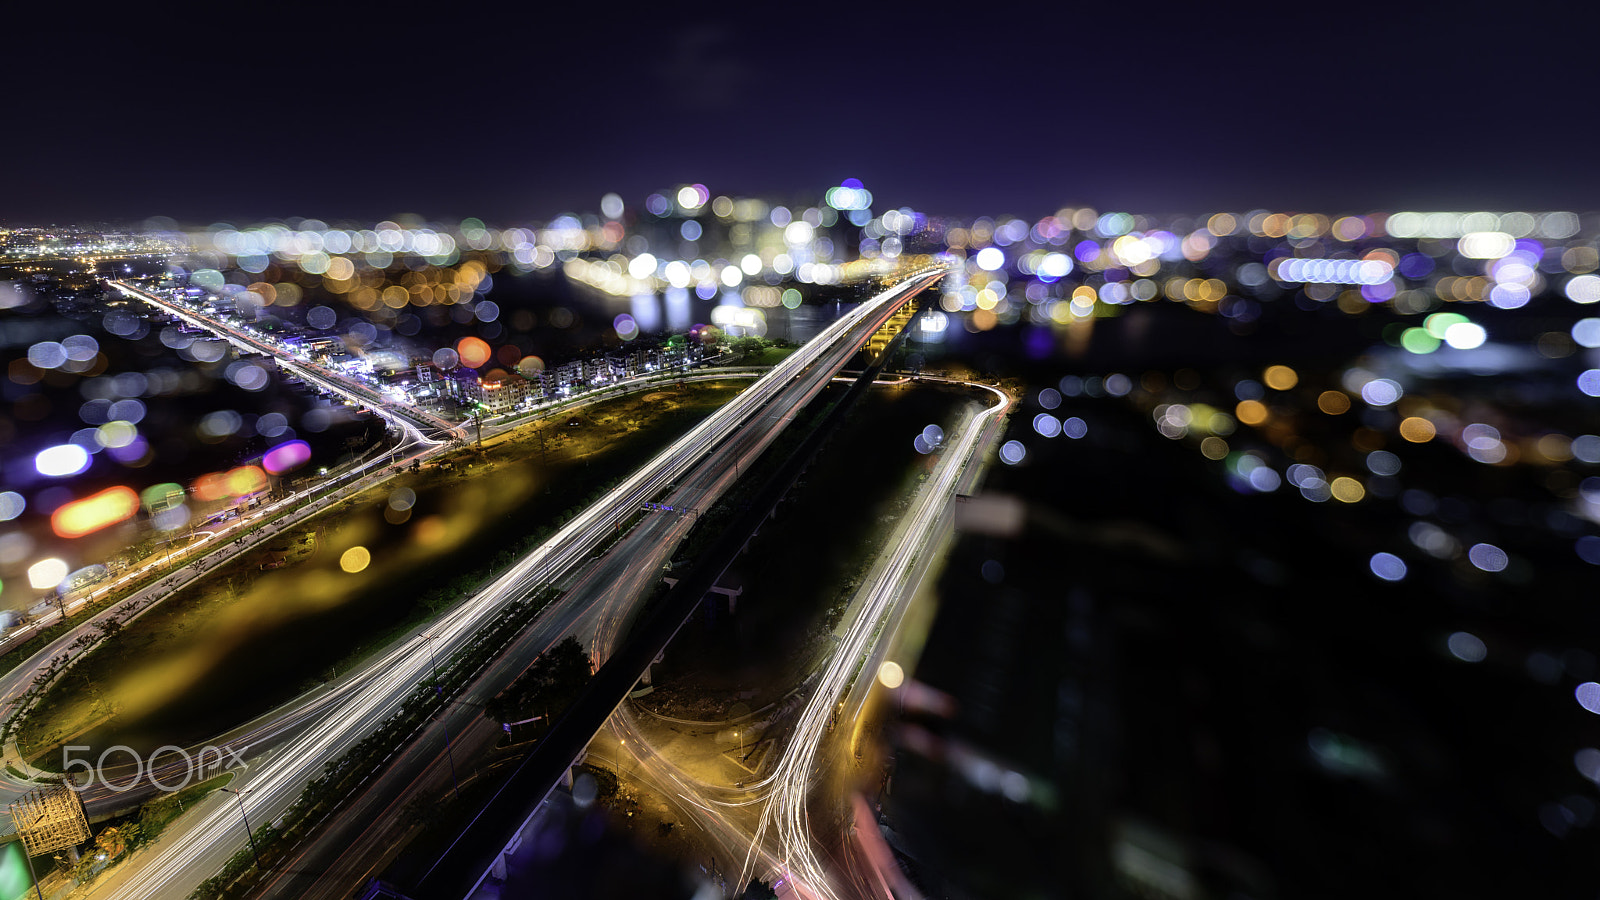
(890, 675)
(355, 559)
(1250, 412)
(1131, 250)
(1333, 402)
(117, 433)
(1347, 490)
(1280, 378)
(1209, 290)
(341, 269)
(1214, 447)
(288, 293)
(1555, 447)
(92, 513)
(1417, 430)
(246, 480)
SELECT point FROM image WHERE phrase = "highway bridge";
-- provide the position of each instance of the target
(423, 426)
(692, 472)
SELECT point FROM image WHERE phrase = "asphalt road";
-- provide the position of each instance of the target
(601, 603)
(204, 843)
(773, 825)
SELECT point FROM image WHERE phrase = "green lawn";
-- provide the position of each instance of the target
(768, 357)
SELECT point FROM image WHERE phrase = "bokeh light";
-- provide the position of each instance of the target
(1467, 647)
(245, 480)
(11, 505)
(1280, 378)
(1465, 336)
(1417, 430)
(1333, 403)
(1588, 695)
(61, 461)
(356, 559)
(47, 573)
(286, 457)
(1387, 566)
(1488, 557)
(92, 513)
(1347, 490)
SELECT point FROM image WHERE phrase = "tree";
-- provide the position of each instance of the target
(759, 890)
(547, 687)
(747, 346)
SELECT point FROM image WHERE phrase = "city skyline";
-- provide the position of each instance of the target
(800, 451)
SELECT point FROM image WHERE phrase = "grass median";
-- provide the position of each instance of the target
(321, 597)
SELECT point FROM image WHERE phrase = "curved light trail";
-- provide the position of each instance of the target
(385, 683)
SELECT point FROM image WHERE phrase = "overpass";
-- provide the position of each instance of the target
(423, 427)
(697, 468)
(498, 827)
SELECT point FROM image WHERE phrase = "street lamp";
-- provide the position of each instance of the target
(438, 690)
(239, 795)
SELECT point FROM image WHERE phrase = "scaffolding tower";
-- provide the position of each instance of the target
(49, 819)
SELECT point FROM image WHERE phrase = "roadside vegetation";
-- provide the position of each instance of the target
(757, 351)
(344, 776)
(800, 572)
(317, 600)
(116, 839)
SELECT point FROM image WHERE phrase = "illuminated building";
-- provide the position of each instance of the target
(503, 393)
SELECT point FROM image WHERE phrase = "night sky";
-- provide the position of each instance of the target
(517, 112)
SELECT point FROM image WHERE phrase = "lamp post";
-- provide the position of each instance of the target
(438, 690)
(239, 796)
(27, 856)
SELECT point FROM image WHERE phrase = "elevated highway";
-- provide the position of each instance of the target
(692, 472)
